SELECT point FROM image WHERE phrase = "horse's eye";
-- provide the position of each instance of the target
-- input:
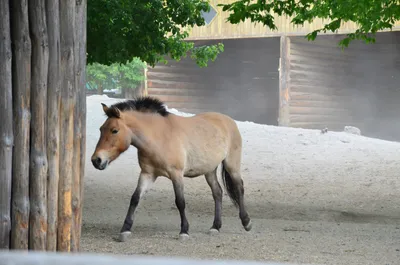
(114, 131)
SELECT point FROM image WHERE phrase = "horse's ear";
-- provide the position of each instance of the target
(116, 112)
(111, 112)
(105, 108)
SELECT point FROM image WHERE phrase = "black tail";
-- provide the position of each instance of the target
(232, 191)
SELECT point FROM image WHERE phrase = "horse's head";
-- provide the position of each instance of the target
(115, 138)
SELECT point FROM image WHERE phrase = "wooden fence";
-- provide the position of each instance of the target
(43, 117)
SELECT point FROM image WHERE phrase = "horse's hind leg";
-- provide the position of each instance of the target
(144, 183)
(177, 181)
(212, 181)
(234, 185)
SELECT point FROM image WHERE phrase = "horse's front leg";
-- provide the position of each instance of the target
(144, 183)
(177, 181)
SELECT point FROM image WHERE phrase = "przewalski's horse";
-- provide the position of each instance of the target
(175, 147)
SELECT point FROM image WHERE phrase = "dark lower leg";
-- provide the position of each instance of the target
(244, 216)
(144, 183)
(180, 204)
(217, 215)
(217, 195)
(131, 211)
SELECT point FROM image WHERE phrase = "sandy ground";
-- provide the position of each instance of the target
(314, 198)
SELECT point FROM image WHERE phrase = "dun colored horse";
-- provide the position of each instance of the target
(174, 147)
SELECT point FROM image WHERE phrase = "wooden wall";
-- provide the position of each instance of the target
(330, 87)
(219, 28)
(242, 82)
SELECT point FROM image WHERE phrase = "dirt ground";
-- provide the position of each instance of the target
(313, 198)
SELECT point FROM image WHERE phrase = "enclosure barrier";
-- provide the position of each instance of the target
(43, 258)
(43, 119)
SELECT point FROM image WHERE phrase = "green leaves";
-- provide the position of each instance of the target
(200, 54)
(149, 30)
(370, 16)
(117, 75)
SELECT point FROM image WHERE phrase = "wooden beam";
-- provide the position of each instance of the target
(79, 113)
(38, 153)
(22, 120)
(146, 91)
(68, 98)
(284, 82)
(6, 128)
(53, 121)
(82, 103)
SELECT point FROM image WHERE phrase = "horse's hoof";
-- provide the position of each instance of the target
(248, 226)
(124, 236)
(183, 237)
(213, 231)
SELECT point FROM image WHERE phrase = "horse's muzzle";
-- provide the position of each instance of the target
(98, 163)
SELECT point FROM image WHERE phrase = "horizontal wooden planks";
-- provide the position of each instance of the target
(334, 88)
(242, 82)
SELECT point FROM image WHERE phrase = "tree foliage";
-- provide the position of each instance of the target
(118, 30)
(127, 76)
(97, 75)
(369, 15)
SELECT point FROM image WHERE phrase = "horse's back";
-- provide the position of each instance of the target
(223, 120)
(209, 138)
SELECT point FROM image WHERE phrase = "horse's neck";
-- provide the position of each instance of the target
(143, 131)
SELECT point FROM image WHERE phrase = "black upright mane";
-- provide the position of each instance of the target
(141, 104)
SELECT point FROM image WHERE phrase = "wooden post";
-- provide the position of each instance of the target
(53, 121)
(68, 92)
(6, 128)
(79, 69)
(38, 155)
(284, 82)
(82, 103)
(145, 92)
(22, 117)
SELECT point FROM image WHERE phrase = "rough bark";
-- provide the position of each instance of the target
(38, 154)
(82, 103)
(79, 70)
(22, 117)
(67, 27)
(53, 121)
(6, 128)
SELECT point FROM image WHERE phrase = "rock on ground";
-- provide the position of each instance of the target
(352, 130)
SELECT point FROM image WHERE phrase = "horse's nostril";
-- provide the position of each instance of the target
(97, 161)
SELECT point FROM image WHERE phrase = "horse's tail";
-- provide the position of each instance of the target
(230, 187)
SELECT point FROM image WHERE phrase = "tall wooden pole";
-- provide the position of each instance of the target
(82, 103)
(6, 128)
(79, 121)
(53, 121)
(284, 82)
(22, 121)
(68, 94)
(38, 155)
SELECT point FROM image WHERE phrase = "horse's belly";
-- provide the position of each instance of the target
(195, 172)
(200, 165)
